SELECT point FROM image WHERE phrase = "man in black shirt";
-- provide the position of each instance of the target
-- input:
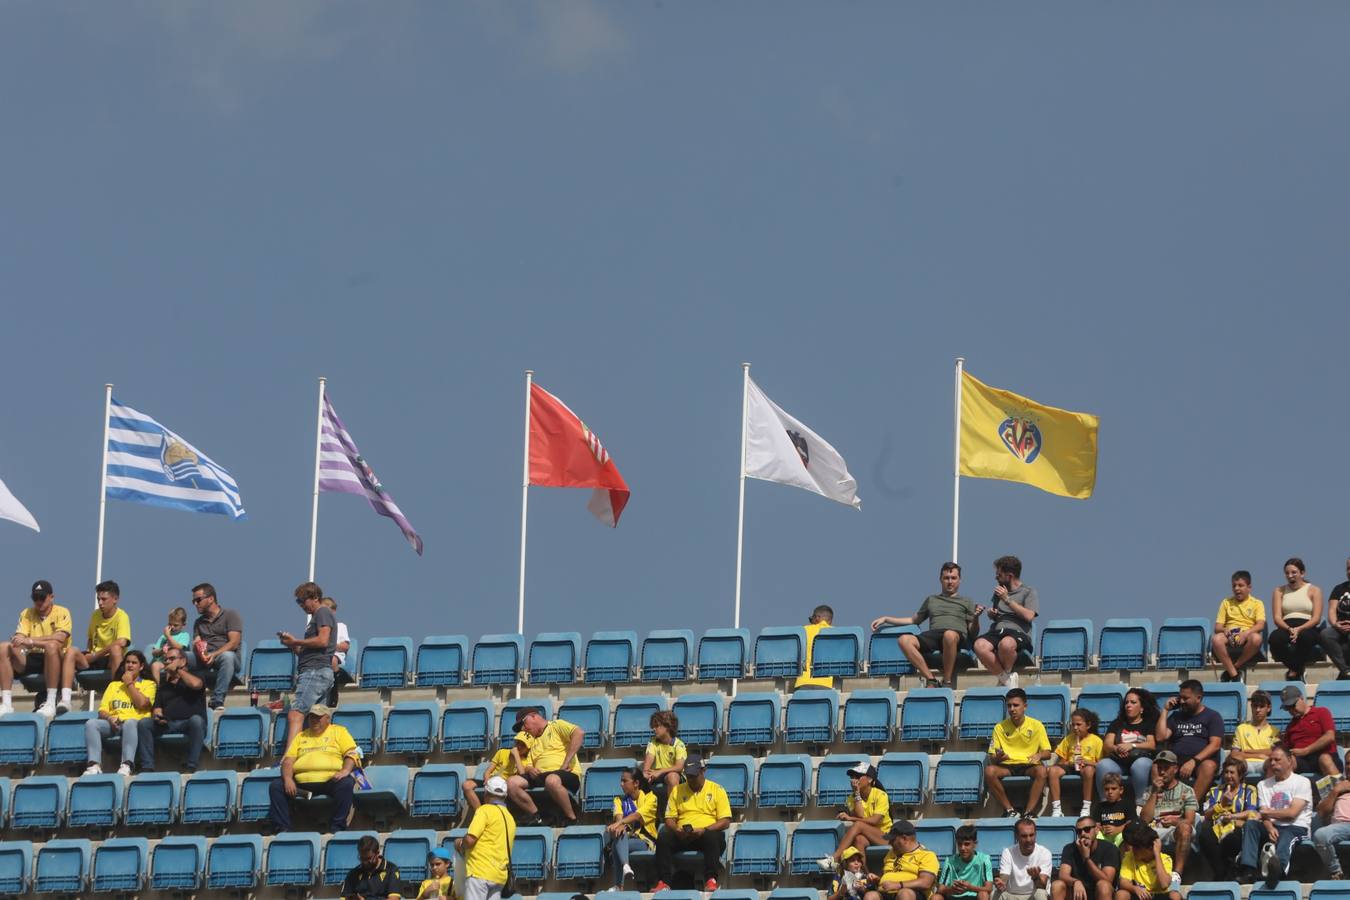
(376, 878)
(1194, 732)
(180, 708)
(1087, 866)
(1335, 635)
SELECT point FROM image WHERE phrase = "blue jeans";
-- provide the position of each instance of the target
(341, 792)
(96, 730)
(622, 846)
(1254, 837)
(1325, 840)
(148, 730)
(312, 686)
(225, 666)
(1138, 774)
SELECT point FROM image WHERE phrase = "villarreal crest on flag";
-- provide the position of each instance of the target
(1007, 436)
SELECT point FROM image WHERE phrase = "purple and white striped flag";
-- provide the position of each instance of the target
(342, 469)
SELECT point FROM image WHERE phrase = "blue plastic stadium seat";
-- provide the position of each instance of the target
(833, 786)
(94, 801)
(4, 801)
(292, 859)
(1279, 717)
(63, 867)
(600, 785)
(752, 719)
(254, 793)
(21, 738)
(1329, 890)
(410, 727)
(1066, 645)
(632, 720)
(363, 722)
(701, 717)
(241, 733)
(38, 802)
(1050, 705)
(387, 798)
(152, 798)
(436, 791)
(611, 657)
(938, 835)
(926, 714)
(65, 738)
(120, 865)
(1183, 643)
(722, 653)
(385, 662)
(466, 726)
(837, 652)
(580, 852)
(810, 841)
(1230, 701)
(512, 708)
(780, 651)
(531, 853)
(1284, 890)
(1103, 699)
(1055, 832)
(981, 709)
(279, 742)
(554, 657)
(1215, 890)
(497, 659)
(208, 798)
(590, 714)
(959, 779)
(340, 856)
(234, 861)
(1334, 695)
(783, 893)
(1124, 644)
(668, 655)
(440, 660)
(736, 775)
(16, 862)
(271, 666)
(407, 848)
(870, 716)
(722, 894)
(178, 864)
(784, 781)
(995, 836)
(812, 717)
(905, 778)
(758, 848)
(883, 651)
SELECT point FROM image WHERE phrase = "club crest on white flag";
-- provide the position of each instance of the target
(779, 448)
(14, 511)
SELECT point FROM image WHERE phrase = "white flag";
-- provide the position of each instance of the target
(779, 448)
(14, 511)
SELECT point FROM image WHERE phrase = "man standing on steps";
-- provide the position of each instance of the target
(314, 668)
(1011, 612)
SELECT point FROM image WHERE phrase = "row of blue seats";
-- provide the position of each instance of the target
(720, 654)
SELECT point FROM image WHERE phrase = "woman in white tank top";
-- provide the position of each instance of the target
(1297, 607)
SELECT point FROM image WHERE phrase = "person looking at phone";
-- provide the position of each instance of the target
(180, 708)
(1011, 611)
(697, 817)
(314, 668)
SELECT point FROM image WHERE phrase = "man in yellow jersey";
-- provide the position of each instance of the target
(1239, 628)
(109, 638)
(319, 760)
(697, 817)
(38, 645)
(909, 870)
(822, 617)
(1018, 747)
(487, 846)
(551, 765)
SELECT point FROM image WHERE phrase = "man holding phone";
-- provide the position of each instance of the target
(314, 652)
(180, 708)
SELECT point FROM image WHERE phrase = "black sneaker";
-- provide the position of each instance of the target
(1343, 676)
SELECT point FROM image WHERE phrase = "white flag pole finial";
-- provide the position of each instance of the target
(956, 462)
(314, 507)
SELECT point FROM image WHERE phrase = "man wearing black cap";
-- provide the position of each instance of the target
(550, 764)
(909, 870)
(868, 815)
(38, 645)
(1310, 735)
(697, 817)
(1170, 807)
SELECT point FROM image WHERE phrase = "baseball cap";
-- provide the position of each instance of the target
(902, 827)
(41, 588)
(693, 764)
(522, 716)
(851, 852)
(1290, 696)
(496, 786)
(440, 853)
(869, 770)
(319, 709)
(1166, 756)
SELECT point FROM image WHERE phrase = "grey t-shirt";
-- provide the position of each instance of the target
(319, 659)
(945, 613)
(217, 631)
(1007, 620)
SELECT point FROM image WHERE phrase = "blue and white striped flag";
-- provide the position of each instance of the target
(148, 463)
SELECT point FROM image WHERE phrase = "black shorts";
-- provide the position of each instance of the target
(1019, 768)
(930, 641)
(1023, 640)
(570, 780)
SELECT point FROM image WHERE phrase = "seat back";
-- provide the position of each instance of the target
(736, 775)
(496, 659)
(21, 737)
(436, 791)
(1230, 701)
(837, 652)
(1049, 704)
(938, 835)
(241, 733)
(38, 802)
(591, 714)
(1183, 643)
(668, 655)
(407, 849)
(94, 801)
(752, 719)
(63, 866)
(884, 656)
(1124, 644)
(1334, 695)
(254, 794)
(722, 653)
(65, 738)
(926, 714)
(784, 781)
(981, 709)
(292, 859)
(340, 856)
(869, 717)
(16, 862)
(810, 842)
(833, 785)
(271, 666)
(811, 717)
(208, 798)
(959, 780)
(580, 852)
(1215, 890)
(410, 726)
(632, 719)
(1103, 699)
(758, 848)
(904, 777)
(440, 660)
(385, 662)
(611, 657)
(1066, 645)
(701, 717)
(554, 657)
(780, 652)
(120, 865)
(531, 852)
(601, 784)
(152, 798)
(466, 726)
(362, 721)
(234, 861)
(178, 864)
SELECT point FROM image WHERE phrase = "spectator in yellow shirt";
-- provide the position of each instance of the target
(1252, 740)
(868, 815)
(1145, 871)
(129, 698)
(634, 826)
(909, 870)
(109, 638)
(697, 818)
(1018, 747)
(38, 645)
(319, 760)
(822, 617)
(503, 763)
(551, 764)
(1077, 754)
(440, 886)
(1239, 628)
(663, 765)
(487, 846)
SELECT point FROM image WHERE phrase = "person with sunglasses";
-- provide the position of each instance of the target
(1087, 866)
(314, 665)
(216, 638)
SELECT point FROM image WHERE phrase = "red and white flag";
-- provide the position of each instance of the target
(565, 453)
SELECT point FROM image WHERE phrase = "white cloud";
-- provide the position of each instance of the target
(577, 34)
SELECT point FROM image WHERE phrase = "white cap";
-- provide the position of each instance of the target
(496, 786)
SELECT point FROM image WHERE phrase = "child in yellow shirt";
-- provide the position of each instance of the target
(440, 885)
(1077, 754)
(1252, 740)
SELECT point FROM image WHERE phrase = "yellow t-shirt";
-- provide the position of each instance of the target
(1250, 739)
(1144, 874)
(878, 802)
(1239, 615)
(550, 748)
(701, 809)
(1090, 748)
(103, 632)
(495, 830)
(646, 807)
(666, 756)
(806, 679)
(319, 758)
(1020, 743)
(427, 889)
(117, 701)
(503, 764)
(898, 867)
(58, 619)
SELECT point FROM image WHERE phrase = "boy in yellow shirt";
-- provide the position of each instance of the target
(1252, 740)
(440, 886)
(109, 636)
(1077, 753)
(1018, 746)
(1238, 628)
(1145, 871)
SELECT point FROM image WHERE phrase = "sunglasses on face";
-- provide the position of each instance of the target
(1087, 830)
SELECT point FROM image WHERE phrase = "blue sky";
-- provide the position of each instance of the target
(1136, 210)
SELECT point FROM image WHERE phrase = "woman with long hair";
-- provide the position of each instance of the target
(1131, 740)
(129, 697)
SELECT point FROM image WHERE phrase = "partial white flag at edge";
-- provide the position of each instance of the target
(780, 448)
(14, 511)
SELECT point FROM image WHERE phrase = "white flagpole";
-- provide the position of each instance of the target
(314, 508)
(740, 516)
(524, 510)
(956, 462)
(103, 487)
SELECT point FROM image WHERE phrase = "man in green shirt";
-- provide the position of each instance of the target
(953, 621)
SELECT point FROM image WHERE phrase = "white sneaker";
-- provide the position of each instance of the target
(1003, 679)
(124, 770)
(94, 769)
(1176, 882)
(47, 710)
(1012, 680)
(826, 863)
(6, 708)
(627, 871)
(62, 707)
(612, 889)
(1055, 809)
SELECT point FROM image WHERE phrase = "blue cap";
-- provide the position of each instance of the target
(440, 853)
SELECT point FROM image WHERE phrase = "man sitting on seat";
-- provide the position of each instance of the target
(697, 817)
(953, 622)
(1170, 807)
(319, 760)
(1087, 866)
(1310, 736)
(1011, 612)
(109, 637)
(910, 868)
(1194, 732)
(551, 764)
(39, 644)
(374, 878)
(1018, 747)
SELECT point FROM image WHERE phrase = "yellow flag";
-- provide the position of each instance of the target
(1007, 436)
